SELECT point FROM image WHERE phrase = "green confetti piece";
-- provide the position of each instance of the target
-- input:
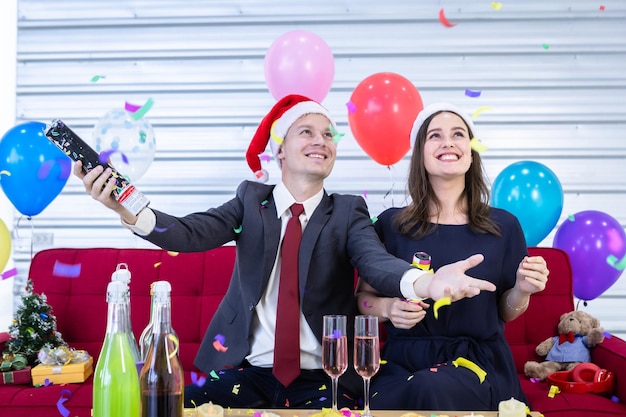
(238, 230)
(97, 78)
(142, 137)
(545, 46)
(214, 375)
(141, 112)
(336, 135)
(612, 260)
(374, 219)
(570, 217)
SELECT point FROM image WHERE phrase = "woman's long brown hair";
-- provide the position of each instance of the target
(414, 220)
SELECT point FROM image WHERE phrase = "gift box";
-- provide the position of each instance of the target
(15, 377)
(62, 374)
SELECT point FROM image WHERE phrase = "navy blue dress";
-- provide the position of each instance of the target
(419, 373)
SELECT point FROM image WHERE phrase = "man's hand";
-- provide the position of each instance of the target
(451, 281)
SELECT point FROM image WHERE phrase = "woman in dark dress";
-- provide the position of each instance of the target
(460, 360)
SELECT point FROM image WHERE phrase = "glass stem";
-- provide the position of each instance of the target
(366, 398)
(334, 387)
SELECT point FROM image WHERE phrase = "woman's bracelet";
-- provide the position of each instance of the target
(513, 308)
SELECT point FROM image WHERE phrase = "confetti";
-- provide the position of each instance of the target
(197, 380)
(97, 78)
(8, 273)
(365, 194)
(535, 380)
(410, 377)
(351, 107)
(553, 391)
(106, 155)
(131, 107)
(65, 270)
(322, 398)
(545, 46)
(5, 172)
(336, 135)
(479, 111)
(602, 7)
(607, 335)
(220, 338)
(322, 388)
(477, 145)
(570, 217)
(158, 264)
(383, 362)
(172, 253)
(141, 112)
(496, 6)
(264, 204)
(47, 382)
(472, 93)
(264, 157)
(238, 229)
(466, 363)
(163, 229)
(64, 396)
(235, 389)
(444, 301)
(214, 375)
(367, 305)
(219, 347)
(612, 260)
(374, 219)
(444, 21)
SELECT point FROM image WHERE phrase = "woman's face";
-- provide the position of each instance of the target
(447, 151)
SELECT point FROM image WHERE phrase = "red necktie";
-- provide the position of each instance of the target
(287, 337)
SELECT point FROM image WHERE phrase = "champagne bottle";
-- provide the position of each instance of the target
(78, 150)
(122, 274)
(161, 381)
(146, 334)
(116, 384)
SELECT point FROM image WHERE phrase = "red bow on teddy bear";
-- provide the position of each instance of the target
(566, 337)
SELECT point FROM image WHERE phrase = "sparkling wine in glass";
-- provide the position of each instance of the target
(334, 351)
(366, 354)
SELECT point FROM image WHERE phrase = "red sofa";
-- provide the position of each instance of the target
(199, 281)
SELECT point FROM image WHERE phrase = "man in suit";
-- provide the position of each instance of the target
(337, 237)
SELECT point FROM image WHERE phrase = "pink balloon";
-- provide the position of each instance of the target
(299, 62)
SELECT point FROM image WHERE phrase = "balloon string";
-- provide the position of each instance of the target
(32, 231)
(390, 191)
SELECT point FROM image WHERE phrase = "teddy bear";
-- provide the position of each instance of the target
(578, 331)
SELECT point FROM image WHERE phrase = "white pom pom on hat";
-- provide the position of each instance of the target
(275, 125)
(435, 108)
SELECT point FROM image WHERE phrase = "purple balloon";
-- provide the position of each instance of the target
(593, 240)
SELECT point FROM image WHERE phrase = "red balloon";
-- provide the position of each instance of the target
(381, 113)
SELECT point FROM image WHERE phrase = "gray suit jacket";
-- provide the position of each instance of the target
(338, 238)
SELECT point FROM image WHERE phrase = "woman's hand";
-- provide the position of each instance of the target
(404, 314)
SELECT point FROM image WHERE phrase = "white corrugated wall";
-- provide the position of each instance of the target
(553, 73)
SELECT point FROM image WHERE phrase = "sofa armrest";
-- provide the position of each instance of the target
(611, 355)
(4, 336)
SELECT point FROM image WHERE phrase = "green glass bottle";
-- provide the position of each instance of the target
(116, 383)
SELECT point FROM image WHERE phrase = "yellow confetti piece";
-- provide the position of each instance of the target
(410, 377)
(383, 362)
(477, 145)
(250, 411)
(156, 265)
(444, 301)
(172, 253)
(322, 388)
(553, 391)
(5, 172)
(496, 6)
(466, 363)
(479, 111)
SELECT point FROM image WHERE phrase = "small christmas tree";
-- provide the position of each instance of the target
(33, 327)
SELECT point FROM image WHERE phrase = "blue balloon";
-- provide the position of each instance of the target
(34, 170)
(533, 193)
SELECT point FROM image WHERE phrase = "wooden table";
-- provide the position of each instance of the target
(287, 412)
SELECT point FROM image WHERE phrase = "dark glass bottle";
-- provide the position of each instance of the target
(161, 381)
(146, 335)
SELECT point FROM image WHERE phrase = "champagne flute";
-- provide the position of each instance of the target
(334, 350)
(366, 354)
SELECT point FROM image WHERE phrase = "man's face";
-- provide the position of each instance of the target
(308, 149)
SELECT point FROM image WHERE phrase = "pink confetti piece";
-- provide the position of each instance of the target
(444, 21)
(219, 347)
(351, 107)
(264, 157)
(106, 155)
(365, 194)
(8, 274)
(131, 107)
(63, 270)
(535, 380)
(472, 93)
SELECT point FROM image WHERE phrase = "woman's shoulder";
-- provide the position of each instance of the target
(389, 214)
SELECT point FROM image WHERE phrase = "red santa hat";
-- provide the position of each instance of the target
(274, 127)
